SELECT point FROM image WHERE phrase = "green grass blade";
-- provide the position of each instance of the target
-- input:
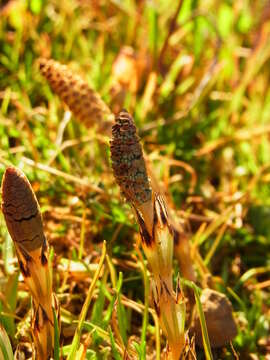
(115, 353)
(145, 314)
(56, 337)
(153, 30)
(206, 342)
(77, 336)
(121, 314)
(10, 291)
(5, 346)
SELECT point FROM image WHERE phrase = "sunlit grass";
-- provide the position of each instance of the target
(196, 79)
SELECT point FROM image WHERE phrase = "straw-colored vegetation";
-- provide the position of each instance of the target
(172, 263)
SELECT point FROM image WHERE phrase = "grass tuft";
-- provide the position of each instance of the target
(195, 77)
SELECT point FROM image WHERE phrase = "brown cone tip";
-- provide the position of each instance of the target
(127, 160)
(18, 198)
(21, 210)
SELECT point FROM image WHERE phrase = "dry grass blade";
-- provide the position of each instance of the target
(24, 223)
(156, 232)
(84, 102)
(68, 177)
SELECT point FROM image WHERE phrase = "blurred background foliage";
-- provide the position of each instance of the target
(196, 76)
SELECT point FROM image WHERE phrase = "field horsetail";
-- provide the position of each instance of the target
(157, 234)
(24, 223)
(85, 103)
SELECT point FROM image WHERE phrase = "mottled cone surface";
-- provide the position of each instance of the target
(84, 102)
(128, 162)
(21, 211)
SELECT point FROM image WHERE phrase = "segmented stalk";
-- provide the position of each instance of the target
(85, 103)
(23, 219)
(157, 234)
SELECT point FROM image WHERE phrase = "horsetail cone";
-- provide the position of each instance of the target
(131, 175)
(24, 222)
(156, 231)
(86, 104)
(21, 211)
(127, 161)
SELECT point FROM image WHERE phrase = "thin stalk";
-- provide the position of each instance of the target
(82, 235)
(206, 342)
(5, 346)
(146, 305)
(77, 336)
(157, 336)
